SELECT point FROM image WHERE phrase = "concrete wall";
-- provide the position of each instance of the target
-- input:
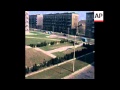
(26, 21)
(40, 21)
(75, 19)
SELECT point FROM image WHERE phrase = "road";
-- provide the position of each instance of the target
(84, 73)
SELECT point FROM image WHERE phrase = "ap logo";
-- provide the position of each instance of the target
(98, 16)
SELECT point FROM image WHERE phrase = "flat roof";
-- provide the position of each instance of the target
(90, 12)
(61, 13)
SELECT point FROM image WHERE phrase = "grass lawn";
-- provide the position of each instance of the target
(34, 56)
(51, 47)
(62, 54)
(37, 34)
(63, 70)
(35, 40)
(38, 37)
(58, 72)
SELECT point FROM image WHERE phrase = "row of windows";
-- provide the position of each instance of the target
(32, 18)
(56, 24)
(64, 16)
(90, 15)
(57, 17)
(56, 20)
(90, 21)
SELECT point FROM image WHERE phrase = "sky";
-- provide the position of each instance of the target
(82, 14)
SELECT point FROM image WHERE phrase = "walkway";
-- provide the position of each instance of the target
(27, 47)
(63, 48)
(84, 73)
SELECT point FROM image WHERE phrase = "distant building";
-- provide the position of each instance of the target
(60, 22)
(81, 26)
(89, 25)
(26, 22)
(36, 21)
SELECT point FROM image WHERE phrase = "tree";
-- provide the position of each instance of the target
(34, 68)
(26, 70)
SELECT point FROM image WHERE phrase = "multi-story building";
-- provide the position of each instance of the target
(89, 25)
(60, 22)
(26, 22)
(36, 21)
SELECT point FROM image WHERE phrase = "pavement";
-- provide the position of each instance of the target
(27, 47)
(63, 48)
(84, 73)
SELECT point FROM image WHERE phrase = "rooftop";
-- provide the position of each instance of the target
(91, 12)
(61, 13)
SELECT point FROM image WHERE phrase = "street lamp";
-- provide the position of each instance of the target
(68, 32)
(74, 55)
(53, 29)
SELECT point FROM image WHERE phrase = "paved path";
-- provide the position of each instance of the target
(63, 48)
(84, 73)
(27, 47)
(45, 52)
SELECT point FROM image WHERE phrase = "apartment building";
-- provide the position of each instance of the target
(26, 22)
(36, 21)
(89, 25)
(60, 22)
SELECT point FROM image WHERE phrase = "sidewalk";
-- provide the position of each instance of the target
(86, 72)
(63, 48)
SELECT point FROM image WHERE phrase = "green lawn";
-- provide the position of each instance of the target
(38, 37)
(58, 72)
(51, 47)
(35, 40)
(62, 54)
(59, 54)
(33, 56)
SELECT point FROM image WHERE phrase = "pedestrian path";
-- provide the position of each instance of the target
(84, 73)
(63, 48)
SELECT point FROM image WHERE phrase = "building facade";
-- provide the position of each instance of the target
(81, 26)
(60, 22)
(26, 22)
(36, 21)
(89, 25)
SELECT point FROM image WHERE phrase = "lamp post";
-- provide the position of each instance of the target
(74, 55)
(53, 29)
(68, 33)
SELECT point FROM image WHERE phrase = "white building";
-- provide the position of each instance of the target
(26, 22)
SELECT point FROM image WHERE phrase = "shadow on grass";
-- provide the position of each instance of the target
(65, 68)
